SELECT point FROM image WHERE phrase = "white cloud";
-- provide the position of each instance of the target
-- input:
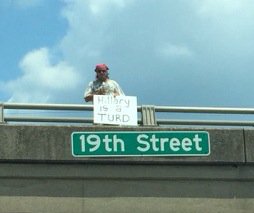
(225, 8)
(89, 32)
(168, 50)
(216, 7)
(127, 36)
(23, 4)
(41, 80)
(98, 6)
(95, 7)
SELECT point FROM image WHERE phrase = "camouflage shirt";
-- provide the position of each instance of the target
(109, 87)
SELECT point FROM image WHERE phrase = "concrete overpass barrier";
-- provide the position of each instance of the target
(38, 173)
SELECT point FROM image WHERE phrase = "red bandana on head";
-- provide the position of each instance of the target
(101, 67)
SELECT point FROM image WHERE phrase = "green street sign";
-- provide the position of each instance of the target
(149, 143)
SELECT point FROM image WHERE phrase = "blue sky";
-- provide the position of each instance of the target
(165, 52)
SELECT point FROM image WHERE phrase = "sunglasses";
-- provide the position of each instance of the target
(101, 71)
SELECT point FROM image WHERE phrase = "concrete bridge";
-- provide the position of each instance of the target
(38, 173)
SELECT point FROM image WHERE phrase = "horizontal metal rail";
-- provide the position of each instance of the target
(48, 119)
(146, 111)
(205, 122)
(48, 106)
(220, 110)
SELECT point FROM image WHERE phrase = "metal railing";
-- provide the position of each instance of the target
(46, 107)
(206, 110)
(148, 114)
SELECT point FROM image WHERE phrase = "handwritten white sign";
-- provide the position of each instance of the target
(121, 110)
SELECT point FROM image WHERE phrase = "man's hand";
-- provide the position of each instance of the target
(100, 91)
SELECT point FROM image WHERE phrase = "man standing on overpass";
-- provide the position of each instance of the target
(102, 85)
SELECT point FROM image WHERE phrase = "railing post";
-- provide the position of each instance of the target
(1, 113)
(148, 115)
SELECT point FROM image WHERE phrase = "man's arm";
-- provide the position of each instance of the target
(118, 90)
(89, 98)
(88, 94)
